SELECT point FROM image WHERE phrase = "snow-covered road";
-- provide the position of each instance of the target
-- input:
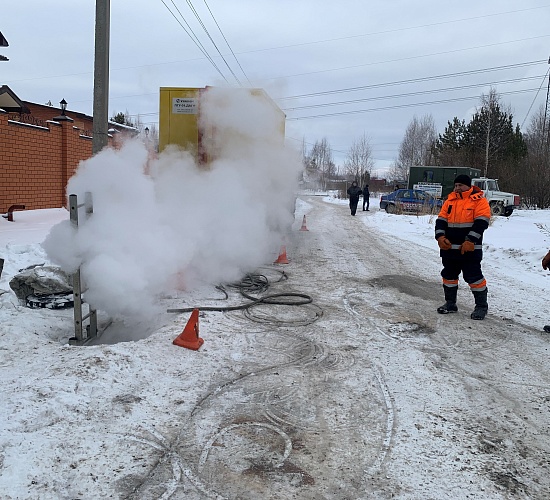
(364, 393)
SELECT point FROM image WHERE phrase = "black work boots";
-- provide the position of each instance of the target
(450, 306)
(481, 305)
(450, 300)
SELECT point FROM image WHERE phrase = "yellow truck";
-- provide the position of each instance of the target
(204, 120)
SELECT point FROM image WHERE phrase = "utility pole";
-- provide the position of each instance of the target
(545, 138)
(101, 75)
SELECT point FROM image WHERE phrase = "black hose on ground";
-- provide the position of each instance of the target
(254, 283)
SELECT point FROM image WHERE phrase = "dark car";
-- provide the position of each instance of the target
(409, 200)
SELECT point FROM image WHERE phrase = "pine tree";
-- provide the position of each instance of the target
(450, 147)
(494, 146)
(488, 142)
(122, 118)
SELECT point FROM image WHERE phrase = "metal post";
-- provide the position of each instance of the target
(92, 314)
(91, 329)
(77, 289)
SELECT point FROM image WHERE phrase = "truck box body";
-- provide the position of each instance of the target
(438, 181)
(184, 122)
(179, 118)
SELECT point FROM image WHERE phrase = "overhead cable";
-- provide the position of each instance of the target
(229, 46)
(381, 85)
(401, 59)
(398, 30)
(535, 98)
(194, 38)
(198, 18)
(409, 94)
(416, 80)
(401, 106)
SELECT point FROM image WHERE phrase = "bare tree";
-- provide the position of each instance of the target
(534, 181)
(304, 154)
(395, 172)
(320, 159)
(359, 162)
(417, 146)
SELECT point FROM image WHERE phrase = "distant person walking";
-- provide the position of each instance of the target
(366, 196)
(354, 191)
(459, 228)
(546, 265)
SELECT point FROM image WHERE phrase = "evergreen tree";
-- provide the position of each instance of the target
(494, 146)
(488, 142)
(449, 149)
(122, 118)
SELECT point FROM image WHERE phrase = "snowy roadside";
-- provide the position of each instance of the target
(427, 408)
(513, 249)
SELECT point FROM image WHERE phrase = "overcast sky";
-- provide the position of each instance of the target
(359, 51)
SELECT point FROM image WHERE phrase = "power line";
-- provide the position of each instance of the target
(379, 85)
(407, 58)
(416, 80)
(345, 152)
(229, 46)
(198, 18)
(209, 57)
(397, 30)
(193, 37)
(535, 98)
(409, 94)
(401, 106)
(394, 96)
(273, 78)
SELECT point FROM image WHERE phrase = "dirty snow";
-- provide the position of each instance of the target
(363, 393)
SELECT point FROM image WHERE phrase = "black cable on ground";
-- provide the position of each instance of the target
(254, 283)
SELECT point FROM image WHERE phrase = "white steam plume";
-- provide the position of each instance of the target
(165, 223)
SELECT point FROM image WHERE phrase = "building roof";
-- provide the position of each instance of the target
(10, 102)
(3, 43)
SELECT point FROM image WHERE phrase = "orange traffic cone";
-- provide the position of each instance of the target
(304, 227)
(189, 338)
(282, 256)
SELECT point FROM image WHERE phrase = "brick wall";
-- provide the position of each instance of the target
(37, 160)
(83, 122)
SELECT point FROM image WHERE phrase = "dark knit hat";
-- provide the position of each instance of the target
(463, 179)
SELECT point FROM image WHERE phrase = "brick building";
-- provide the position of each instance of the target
(40, 149)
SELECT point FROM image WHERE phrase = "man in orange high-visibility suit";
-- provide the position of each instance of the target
(459, 228)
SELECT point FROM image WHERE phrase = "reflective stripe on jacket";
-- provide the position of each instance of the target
(464, 216)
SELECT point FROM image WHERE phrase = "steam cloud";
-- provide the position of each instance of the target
(163, 224)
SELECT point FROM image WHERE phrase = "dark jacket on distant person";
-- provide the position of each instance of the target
(366, 196)
(354, 191)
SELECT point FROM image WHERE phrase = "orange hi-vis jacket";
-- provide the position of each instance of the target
(464, 216)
